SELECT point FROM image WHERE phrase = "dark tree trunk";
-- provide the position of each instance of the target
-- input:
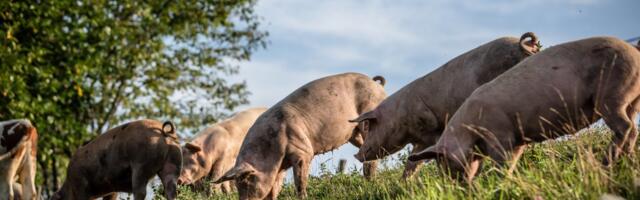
(45, 177)
(54, 173)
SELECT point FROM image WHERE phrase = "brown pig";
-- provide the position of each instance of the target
(556, 92)
(213, 152)
(416, 114)
(311, 120)
(124, 159)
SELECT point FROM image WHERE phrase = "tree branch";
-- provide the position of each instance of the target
(114, 104)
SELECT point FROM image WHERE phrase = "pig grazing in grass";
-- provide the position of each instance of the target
(213, 152)
(311, 120)
(124, 159)
(553, 93)
(417, 113)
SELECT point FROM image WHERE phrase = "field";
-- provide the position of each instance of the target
(561, 169)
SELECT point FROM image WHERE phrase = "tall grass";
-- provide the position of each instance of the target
(568, 168)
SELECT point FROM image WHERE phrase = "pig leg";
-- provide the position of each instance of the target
(232, 186)
(412, 166)
(472, 169)
(515, 156)
(368, 167)
(17, 191)
(215, 188)
(139, 180)
(217, 171)
(6, 188)
(277, 186)
(28, 176)
(10, 169)
(226, 187)
(633, 135)
(632, 113)
(301, 174)
(299, 155)
(169, 177)
(624, 131)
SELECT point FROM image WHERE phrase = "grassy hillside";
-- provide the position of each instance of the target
(567, 169)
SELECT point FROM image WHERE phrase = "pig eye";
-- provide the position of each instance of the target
(201, 160)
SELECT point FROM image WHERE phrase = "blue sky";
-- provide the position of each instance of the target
(404, 40)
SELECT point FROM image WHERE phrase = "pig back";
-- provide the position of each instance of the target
(322, 109)
(559, 84)
(443, 91)
(238, 125)
(225, 144)
(142, 140)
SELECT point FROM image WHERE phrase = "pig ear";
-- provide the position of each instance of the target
(365, 120)
(236, 173)
(193, 147)
(371, 115)
(531, 46)
(429, 153)
(364, 126)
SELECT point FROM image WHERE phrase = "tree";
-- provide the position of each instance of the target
(77, 67)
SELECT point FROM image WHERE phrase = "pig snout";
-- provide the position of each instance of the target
(183, 181)
(361, 155)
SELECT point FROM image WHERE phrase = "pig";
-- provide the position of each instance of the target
(310, 121)
(18, 152)
(556, 92)
(213, 152)
(416, 114)
(124, 159)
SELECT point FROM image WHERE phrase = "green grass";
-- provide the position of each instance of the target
(564, 169)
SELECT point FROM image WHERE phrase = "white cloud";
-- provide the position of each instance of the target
(515, 7)
(349, 20)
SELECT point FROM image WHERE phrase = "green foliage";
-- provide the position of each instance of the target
(564, 169)
(77, 67)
